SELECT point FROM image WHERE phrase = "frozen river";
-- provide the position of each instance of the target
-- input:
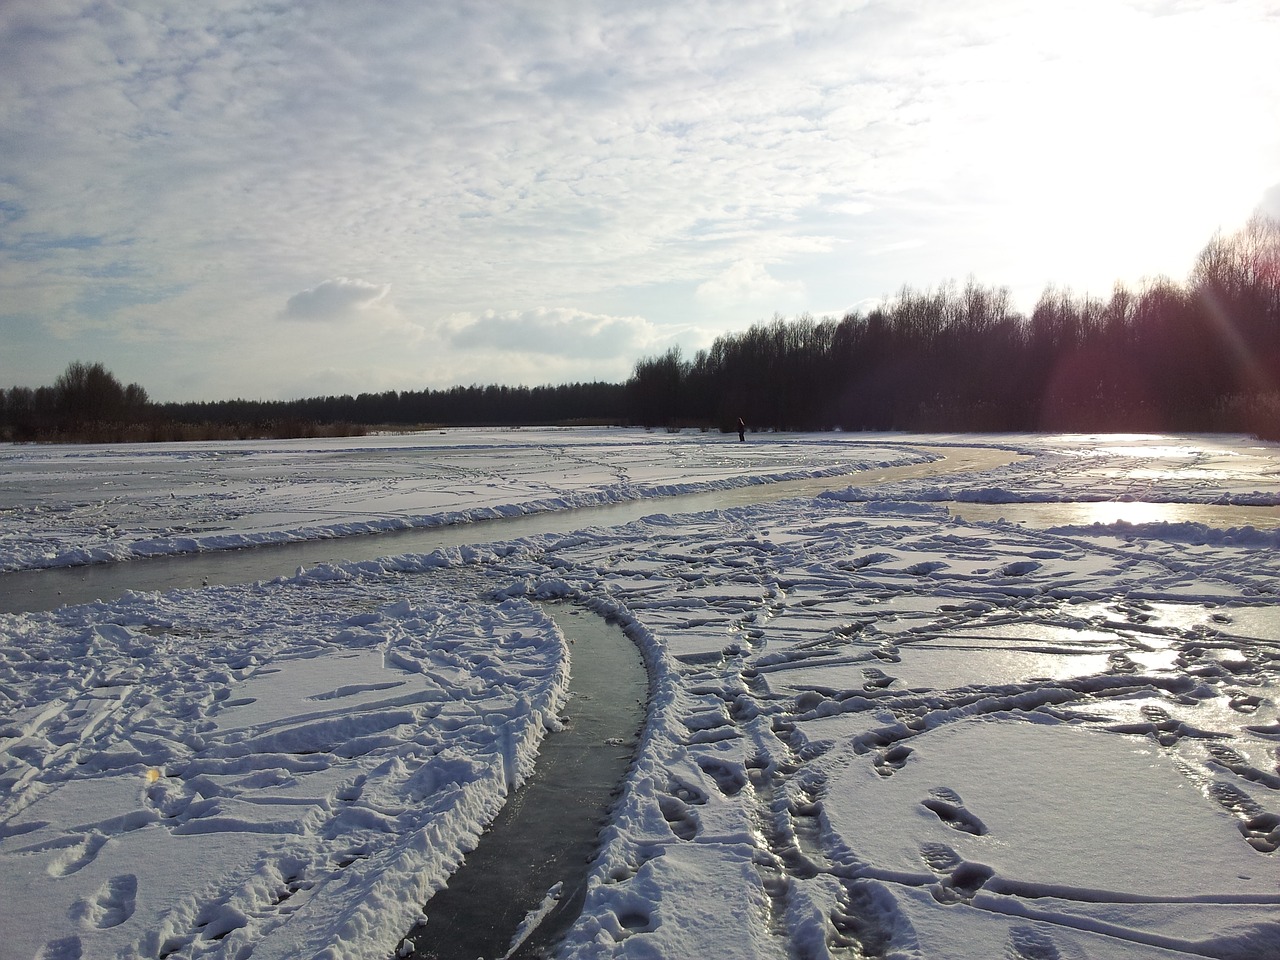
(885, 721)
(46, 587)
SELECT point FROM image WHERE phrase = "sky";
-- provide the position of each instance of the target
(272, 199)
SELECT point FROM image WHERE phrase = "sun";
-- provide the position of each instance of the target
(1115, 140)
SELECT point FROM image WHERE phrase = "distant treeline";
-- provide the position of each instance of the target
(88, 404)
(1200, 356)
(1203, 355)
(456, 406)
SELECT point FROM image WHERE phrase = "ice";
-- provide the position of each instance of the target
(65, 505)
(876, 729)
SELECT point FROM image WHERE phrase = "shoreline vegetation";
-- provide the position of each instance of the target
(1201, 356)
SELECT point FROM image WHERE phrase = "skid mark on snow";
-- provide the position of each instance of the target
(1104, 698)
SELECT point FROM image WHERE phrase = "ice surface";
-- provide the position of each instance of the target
(875, 730)
(64, 505)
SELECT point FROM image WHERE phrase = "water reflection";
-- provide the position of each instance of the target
(1042, 515)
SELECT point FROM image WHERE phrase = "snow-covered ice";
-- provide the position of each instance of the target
(292, 767)
(63, 505)
(876, 729)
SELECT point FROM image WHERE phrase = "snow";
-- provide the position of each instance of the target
(64, 505)
(876, 728)
(294, 766)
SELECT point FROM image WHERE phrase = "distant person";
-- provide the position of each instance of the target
(742, 431)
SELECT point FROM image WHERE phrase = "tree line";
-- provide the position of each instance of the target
(86, 399)
(1198, 356)
(1203, 355)
(88, 404)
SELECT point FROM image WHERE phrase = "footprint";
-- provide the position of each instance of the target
(78, 856)
(876, 679)
(729, 778)
(949, 808)
(1234, 761)
(1122, 663)
(939, 858)
(1020, 568)
(622, 872)
(350, 792)
(64, 948)
(1166, 730)
(963, 883)
(1244, 702)
(110, 906)
(1028, 943)
(687, 793)
(683, 821)
(1261, 830)
(634, 921)
(926, 567)
(959, 880)
(860, 926)
(743, 710)
(892, 758)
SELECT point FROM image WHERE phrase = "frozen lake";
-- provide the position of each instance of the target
(878, 728)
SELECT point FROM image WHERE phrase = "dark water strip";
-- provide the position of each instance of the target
(547, 831)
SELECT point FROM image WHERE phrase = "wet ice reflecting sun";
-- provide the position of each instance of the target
(1045, 515)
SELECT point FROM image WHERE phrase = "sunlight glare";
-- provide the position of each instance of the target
(1116, 137)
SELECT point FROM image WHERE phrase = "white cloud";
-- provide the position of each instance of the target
(180, 175)
(748, 283)
(554, 331)
(338, 299)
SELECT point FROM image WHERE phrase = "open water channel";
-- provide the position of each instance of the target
(46, 589)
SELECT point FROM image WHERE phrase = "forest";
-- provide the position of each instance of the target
(66, 412)
(1201, 355)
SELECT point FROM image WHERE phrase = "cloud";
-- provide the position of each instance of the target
(553, 331)
(636, 160)
(747, 282)
(336, 299)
